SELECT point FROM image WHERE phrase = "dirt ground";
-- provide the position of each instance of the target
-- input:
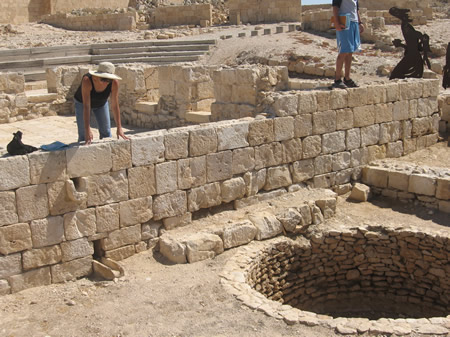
(156, 298)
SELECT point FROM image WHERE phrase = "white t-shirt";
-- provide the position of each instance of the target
(347, 7)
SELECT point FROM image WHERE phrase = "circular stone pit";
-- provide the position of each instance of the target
(378, 280)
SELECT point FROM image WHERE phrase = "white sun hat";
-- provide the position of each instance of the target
(105, 70)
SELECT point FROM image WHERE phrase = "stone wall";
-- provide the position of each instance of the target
(258, 11)
(23, 11)
(180, 15)
(389, 272)
(427, 186)
(57, 206)
(96, 22)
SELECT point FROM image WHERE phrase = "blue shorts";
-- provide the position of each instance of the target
(348, 40)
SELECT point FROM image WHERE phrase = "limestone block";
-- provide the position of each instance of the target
(36, 258)
(255, 181)
(71, 270)
(376, 94)
(172, 249)
(400, 110)
(121, 155)
(204, 197)
(374, 176)
(344, 119)
(243, 160)
(421, 126)
(398, 180)
(370, 135)
(323, 100)
(202, 246)
(150, 230)
(422, 184)
(411, 89)
(141, 181)
(10, 265)
(338, 99)
(60, 201)
(383, 113)
(232, 135)
(285, 105)
(333, 142)
(232, 189)
(148, 149)
(8, 211)
(121, 253)
(363, 115)
(323, 164)
(290, 218)
(238, 234)
(80, 224)
(135, 211)
(5, 289)
(261, 132)
(219, 166)
(30, 279)
(15, 172)
(267, 225)
(324, 122)
(278, 177)
(88, 160)
(202, 141)
(412, 109)
(268, 155)
(353, 139)
(359, 157)
(357, 97)
(292, 150)
(327, 207)
(312, 146)
(303, 125)
(307, 102)
(360, 192)
(430, 87)
(166, 177)
(191, 172)
(427, 106)
(107, 188)
(390, 132)
(32, 202)
(169, 205)
(47, 167)
(392, 92)
(176, 144)
(243, 94)
(15, 238)
(47, 232)
(177, 221)
(341, 161)
(283, 128)
(122, 237)
(302, 170)
(76, 249)
(443, 188)
(394, 150)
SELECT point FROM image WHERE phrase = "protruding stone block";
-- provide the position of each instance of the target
(202, 246)
(172, 249)
(360, 192)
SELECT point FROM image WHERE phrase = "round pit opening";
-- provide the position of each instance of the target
(368, 273)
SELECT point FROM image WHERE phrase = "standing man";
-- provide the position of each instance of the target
(348, 40)
(92, 97)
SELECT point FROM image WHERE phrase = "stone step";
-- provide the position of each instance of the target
(303, 84)
(153, 60)
(146, 107)
(104, 57)
(127, 50)
(35, 85)
(198, 116)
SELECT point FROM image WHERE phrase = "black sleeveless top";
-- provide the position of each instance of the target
(98, 99)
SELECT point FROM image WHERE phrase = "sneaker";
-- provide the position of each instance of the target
(350, 83)
(338, 84)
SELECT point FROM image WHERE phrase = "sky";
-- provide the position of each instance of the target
(315, 2)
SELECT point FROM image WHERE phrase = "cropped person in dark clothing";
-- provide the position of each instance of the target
(92, 96)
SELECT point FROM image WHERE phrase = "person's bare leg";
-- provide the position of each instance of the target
(339, 64)
(348, 65)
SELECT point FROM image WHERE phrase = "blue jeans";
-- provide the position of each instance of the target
(101, 115)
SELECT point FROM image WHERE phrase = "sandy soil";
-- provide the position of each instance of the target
(155, 298)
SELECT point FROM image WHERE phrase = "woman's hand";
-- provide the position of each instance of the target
(121, 134)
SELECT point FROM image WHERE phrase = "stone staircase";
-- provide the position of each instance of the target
(34, 61)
